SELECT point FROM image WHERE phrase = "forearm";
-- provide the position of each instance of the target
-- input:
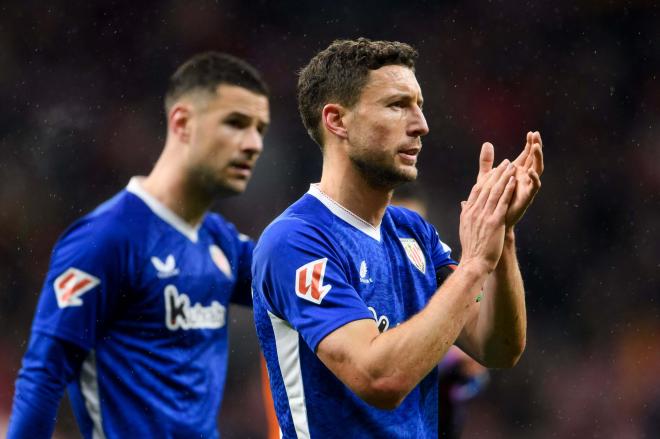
(411, 350)
(501, 326)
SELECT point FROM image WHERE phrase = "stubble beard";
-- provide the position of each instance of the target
(207, 182)
(380, 174)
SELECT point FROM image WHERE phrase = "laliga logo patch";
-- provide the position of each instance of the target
(415, 253)
(309, 281)
(220, 260)
(72, 284)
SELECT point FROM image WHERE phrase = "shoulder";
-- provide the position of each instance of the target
(412, 223)
(306, 219)
(109, 223)
(403, 217)
(109, 220)
(219, 225)
(288, 231)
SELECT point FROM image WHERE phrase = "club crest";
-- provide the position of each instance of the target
(220, 260)
(415, 253)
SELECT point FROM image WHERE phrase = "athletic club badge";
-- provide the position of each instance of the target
(220, 260)
(415, 253)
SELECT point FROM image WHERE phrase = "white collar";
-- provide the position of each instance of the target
(343, 213)
(162, 211)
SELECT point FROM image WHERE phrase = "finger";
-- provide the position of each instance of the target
(537, 154)
(522, 157)
(536, 180)
(488, 184)
(498, 188)
(486, 159)
(485, 166)
(505, 199)
(474, 193)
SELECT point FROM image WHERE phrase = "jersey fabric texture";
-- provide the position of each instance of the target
(318, 267)
(145, 296)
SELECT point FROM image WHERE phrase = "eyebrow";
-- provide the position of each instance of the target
(406, 96)
(246, 116)
(261, 123)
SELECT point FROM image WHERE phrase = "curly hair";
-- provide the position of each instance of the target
(340, 72)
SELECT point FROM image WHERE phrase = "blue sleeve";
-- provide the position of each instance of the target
(83, 284)
(440, 252)
(243, 291)
(48, 366)
(301, 274)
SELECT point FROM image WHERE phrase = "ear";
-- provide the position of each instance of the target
(332, 117)
(179, 119)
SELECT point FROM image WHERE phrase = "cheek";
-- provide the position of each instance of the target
(220, 146)
(382, 134)
(385, 126)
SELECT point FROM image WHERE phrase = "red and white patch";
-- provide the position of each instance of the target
(415, 253)
(72, 284)
(309, 281)
(220, 260)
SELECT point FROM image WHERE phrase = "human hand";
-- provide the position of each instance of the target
(483, 214)
(529, 167)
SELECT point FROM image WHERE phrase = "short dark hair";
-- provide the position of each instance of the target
(206, 71)
(340, 73)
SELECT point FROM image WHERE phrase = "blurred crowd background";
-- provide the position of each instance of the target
(81, 87)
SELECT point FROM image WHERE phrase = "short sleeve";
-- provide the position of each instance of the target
(440, 252)
(83, 284)
(303, 277)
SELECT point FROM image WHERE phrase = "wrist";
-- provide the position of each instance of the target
(509, 236)
(474, 268)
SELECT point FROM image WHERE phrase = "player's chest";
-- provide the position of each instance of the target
(394, 277)
(184, 285)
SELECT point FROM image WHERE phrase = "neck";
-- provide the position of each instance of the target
(169, 184)
(344, 183)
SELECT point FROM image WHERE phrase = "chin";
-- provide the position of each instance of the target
(232, 188)
(225, 188)
(409, 174)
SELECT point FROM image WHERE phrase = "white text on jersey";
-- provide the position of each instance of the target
(180, 315)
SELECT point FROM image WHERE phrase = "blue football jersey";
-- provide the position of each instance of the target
(318, 267)
(146, 295)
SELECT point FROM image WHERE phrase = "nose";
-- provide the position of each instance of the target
(253, 142)
(417, 126)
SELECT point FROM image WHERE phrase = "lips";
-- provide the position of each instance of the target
(409, 155)
(242, 168)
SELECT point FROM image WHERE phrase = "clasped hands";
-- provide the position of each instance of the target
(498, 201)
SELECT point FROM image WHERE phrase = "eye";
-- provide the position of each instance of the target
(236, 122)
(397, 104)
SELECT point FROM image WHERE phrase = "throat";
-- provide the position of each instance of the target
(364, 203)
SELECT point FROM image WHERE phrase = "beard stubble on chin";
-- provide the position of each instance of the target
(379, 174)
(375, 168)
(207, 182)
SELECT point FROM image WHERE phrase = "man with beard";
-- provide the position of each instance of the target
(133, 312)
(357, 301)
